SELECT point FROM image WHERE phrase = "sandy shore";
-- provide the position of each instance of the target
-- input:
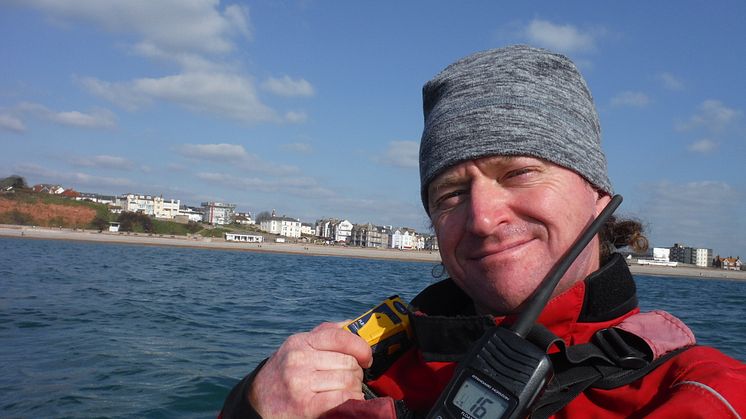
(309, 249)
(218, 244)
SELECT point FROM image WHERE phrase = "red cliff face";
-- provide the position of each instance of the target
(42, 214)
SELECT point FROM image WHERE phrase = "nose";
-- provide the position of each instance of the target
(487, 207)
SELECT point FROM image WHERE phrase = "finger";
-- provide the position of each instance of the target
(336, 380)
(340, 340)
(327, 360)
(329, 325)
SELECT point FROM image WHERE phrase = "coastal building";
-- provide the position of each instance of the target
(683, 254)
(243, 238)
(341, 231)
(731, 263)
(187, 214)
(704, 258)
(166, 208)
(94, 197)
(691, 255)
(307, 229)
(431, 242)
(419, 242)
(152, 205)
(661, 254)
(244, 218)
(366, 235)
(48, 188)
(403, 238)
(217, 213)
(283, 226)
(137, 203)
(324, 228)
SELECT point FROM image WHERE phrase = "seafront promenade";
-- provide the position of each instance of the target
(308, 249)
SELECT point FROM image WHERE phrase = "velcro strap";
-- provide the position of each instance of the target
(661, 331)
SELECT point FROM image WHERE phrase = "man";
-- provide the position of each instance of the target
(511, 172)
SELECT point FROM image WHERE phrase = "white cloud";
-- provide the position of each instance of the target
(286, 86)
(565, 38)
(699, 214)
(712, 116)
(302, 148)
(175, 25)
(236, 155)
(11, 123)
(221, 94)
(304, 187)
(402, 154)
(104, 162)
(633, 99)
(216, 152)
(97, 118)
(704, 145)
(294, 117)
(671, 82)
(198, 36)
(189, 61)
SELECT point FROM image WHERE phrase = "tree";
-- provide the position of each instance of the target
(100, 223)
(262, 216)
(135, 221)
(14, 181)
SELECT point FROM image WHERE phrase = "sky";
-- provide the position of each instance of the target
(313, 108)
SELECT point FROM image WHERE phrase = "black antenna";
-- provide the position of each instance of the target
(541, 295)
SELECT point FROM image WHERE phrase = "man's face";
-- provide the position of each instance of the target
(503, 222)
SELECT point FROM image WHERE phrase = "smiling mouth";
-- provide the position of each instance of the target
(500, 249)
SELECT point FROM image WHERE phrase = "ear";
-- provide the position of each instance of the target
(602, 199)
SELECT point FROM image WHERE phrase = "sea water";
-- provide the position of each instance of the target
(109, 330)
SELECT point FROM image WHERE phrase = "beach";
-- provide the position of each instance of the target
(310, 249)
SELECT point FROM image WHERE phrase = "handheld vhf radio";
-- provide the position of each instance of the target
(503, 373)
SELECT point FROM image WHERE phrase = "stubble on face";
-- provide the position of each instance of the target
(503, 223)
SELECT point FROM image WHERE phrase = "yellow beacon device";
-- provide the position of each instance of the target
(385, 327)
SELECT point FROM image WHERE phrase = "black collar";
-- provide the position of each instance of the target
(446, 324)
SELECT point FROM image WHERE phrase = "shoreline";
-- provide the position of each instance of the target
(310, 249)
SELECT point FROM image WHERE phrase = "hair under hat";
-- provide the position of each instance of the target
(513, 101)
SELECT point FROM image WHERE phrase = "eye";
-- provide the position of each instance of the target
(449, 199)
(519, 173)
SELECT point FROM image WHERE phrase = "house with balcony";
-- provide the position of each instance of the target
(218, 213)
(366, 235)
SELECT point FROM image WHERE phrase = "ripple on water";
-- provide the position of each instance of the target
(161, 332)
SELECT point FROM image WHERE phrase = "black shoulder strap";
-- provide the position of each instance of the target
(613, 359)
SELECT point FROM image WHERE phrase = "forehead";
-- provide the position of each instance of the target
(489, 163)
(459, 174)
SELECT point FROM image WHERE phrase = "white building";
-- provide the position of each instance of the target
(284, 226)
(190, 214)
(244, 238)
(218, 213)
(342, 231)
(703, 257)
(244, 218)
(166, 208)
(403, 238)
(307, 229)
(137, 203)
(324, 228)
(151, 205)
(661, 254)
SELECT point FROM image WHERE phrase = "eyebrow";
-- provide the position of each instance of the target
(445, 182)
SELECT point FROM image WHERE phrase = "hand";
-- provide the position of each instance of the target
(311, 373)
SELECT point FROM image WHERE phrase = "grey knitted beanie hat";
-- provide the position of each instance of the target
(513, 101)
